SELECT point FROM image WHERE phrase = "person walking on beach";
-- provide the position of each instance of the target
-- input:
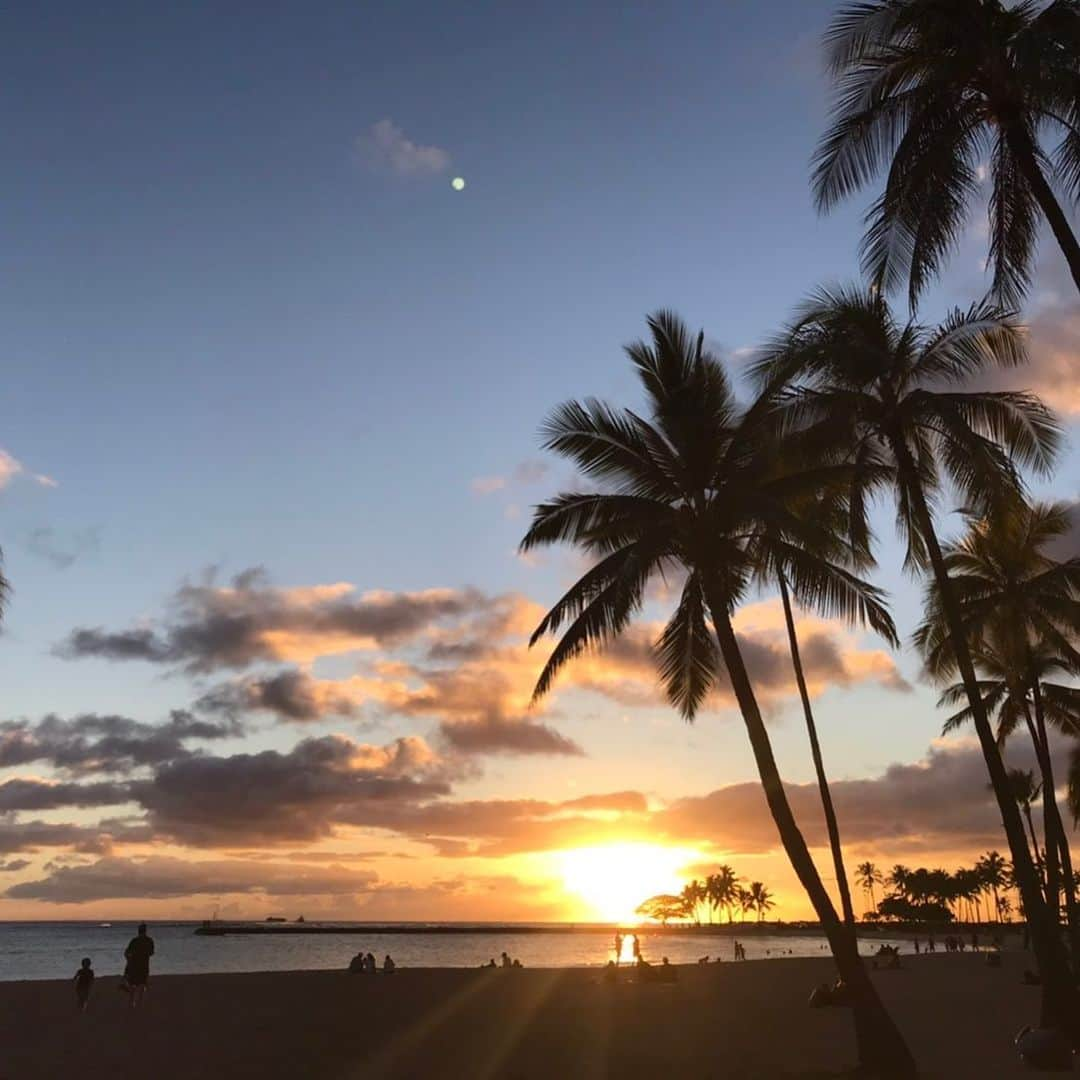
(84, 980)
(137, 969)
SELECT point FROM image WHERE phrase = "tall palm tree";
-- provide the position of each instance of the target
(1026, 791)
(774, 559)
(927, 90)
(688, 487)
(880, 388)
(868, 876)
(1021, 611)
(761, 899)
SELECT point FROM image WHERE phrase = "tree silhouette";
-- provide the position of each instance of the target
(1026, 791)
(927, 90)
(880, 388)
(1021, 611)
(760, 899)
(868, 876)
(662, 908)
(689, 486)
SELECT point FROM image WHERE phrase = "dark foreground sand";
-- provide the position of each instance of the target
(726, 1020)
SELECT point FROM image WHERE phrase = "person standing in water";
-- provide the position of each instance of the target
(137, 969)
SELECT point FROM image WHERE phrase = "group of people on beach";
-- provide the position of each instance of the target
(136, 975)
(362, 964)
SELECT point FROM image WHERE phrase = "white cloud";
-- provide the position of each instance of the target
(387, 147)
(11, 467)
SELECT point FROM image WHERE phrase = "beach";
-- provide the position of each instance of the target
(740, 1020)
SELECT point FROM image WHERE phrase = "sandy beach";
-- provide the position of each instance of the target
(726, 1020)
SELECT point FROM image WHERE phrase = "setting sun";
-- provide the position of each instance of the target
(612, 880)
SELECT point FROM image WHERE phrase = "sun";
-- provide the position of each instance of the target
(612, 880)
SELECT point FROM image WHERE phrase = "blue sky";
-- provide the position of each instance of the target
(237, 334)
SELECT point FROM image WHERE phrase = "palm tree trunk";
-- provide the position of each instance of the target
(1053, 851)
(1034, 842)
(831, 825)
(1061, 840)
(1026, 157)
(881, 1048)
(1059, 997)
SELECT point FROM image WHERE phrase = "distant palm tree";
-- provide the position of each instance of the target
(693, 895)
(929, 90)
(746, 902)
(881, 389)
(868, 876)
(761, 899)
(991, 868)
(898, 878)
(721, 887)
(687, 488)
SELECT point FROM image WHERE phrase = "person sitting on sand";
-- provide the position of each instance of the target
(369, 964)
(137, 969)
(517, 963)
(356, 964)
(388, 965)
(84, 980)
(506, 960)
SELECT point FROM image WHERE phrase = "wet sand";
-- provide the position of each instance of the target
(724, 1020)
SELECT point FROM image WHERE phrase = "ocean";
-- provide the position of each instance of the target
(53, 950)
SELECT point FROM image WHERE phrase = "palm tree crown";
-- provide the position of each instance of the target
(929, 90)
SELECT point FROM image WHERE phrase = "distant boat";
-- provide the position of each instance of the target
(300, 919)
(105, 925)
(276, 918)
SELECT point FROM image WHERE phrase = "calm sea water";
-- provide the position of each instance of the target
(53, 950)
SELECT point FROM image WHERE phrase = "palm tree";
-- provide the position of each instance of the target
(991, 869)
(868, 875)
(746, 902)
(1026, 791)
(721, 887)
(693, 894)
(775, 565)
(928, 90)
(688, 488)
(881, 389)
(1021, 610)
(898, 878)
(761, 898)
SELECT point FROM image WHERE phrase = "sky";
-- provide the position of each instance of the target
(270, 440)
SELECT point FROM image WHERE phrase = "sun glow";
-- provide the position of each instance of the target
(612, 880)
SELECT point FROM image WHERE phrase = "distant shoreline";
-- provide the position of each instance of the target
(223, 929)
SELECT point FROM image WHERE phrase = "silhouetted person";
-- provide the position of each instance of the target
(369, 963)
(637, 948)
(618, 947)
(137, 969)
(356, 964)
(84, 980)
(505, 960)
(388, 965)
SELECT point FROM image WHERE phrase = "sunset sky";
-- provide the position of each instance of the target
(269, 443)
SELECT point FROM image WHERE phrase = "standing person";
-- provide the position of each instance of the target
(84, 980)
(637, 949)
(137, 970)
(618, 947)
